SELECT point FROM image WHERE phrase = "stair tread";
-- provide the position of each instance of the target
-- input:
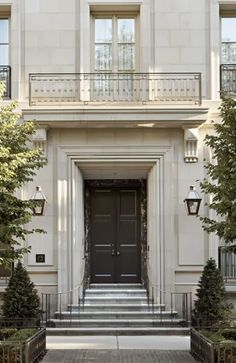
(123, 328)
(166, 312)
(114, 305)
(116, 320)
(111, 291)
(115, 285)
(118, 297)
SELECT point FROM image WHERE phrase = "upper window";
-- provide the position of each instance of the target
(228, 40)
(4, 41)
(114, 44)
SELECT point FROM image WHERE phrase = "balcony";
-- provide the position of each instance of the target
(5, 77)
(227, 264)
(94, 88)
(228, 79)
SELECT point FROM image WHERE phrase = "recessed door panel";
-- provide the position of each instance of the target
(115, 235)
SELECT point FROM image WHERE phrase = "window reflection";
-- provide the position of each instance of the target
(103, 30)
(228, 40)
(4, 42)
(126, 32)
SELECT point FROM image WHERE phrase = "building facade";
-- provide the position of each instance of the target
(123, 93)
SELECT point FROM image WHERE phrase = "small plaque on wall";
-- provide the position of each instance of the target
(40, 258)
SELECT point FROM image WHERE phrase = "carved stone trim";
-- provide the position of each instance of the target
(39, 140)
(191, 145)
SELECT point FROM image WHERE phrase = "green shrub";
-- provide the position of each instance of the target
(6, 333)
(211, 307)
(214, 336)
(22, 334)
(229, 334)
(20, 300)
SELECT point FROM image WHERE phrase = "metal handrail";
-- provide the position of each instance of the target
(80, 289)
(74, 88)
(186, 301)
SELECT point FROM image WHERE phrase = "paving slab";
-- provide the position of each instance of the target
(81, 342)
(119, 342)
(117, 356)
(154, 342)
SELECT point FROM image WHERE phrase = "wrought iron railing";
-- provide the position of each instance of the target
(27, 350)
(201, 347)
(178, 303)
(228, 79)
(5, 77)
(52, 303)
(57, 89)
(227, 262)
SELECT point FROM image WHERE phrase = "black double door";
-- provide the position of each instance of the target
(115, 235)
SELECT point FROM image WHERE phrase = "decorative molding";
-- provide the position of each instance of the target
(39, 140)
(191, 145)
(71, 161)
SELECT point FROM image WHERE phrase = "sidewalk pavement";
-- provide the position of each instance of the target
(118, 349)
(119, 342)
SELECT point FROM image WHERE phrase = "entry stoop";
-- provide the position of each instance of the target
(116, 309)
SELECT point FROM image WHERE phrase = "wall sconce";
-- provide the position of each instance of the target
(193, 201)
(40, 202)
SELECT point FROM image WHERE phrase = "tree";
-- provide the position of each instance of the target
(18, 163)
(20, 300)
(211, 306)
(221, 182)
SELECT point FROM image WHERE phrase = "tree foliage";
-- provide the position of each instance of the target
(20, 300)
(221, 181)
(18, 164)
(211, 306)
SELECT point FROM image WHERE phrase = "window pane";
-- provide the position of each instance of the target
(126, 57)
(126, 30)
(4, 31)
(103, 30)
(103, 58)
(228, 46)
(4, 55)
(228, 30)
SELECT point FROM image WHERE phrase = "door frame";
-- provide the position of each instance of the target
(140, 185)
(162, 201)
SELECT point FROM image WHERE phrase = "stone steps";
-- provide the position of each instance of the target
(120, 309)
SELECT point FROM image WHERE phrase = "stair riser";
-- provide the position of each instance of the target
(149, 331)
(139, 294)
(106, 324)
(115, 286)
(95, 315)
(122, 300)
(110, 308)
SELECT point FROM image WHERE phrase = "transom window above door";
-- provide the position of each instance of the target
(114, 44)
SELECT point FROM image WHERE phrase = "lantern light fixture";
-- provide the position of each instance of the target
(193, 201)
(40, 202)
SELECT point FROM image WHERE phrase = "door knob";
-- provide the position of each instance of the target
(118, 253)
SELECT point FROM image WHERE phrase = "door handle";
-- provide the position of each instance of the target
(117, 253)
(113, 252)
